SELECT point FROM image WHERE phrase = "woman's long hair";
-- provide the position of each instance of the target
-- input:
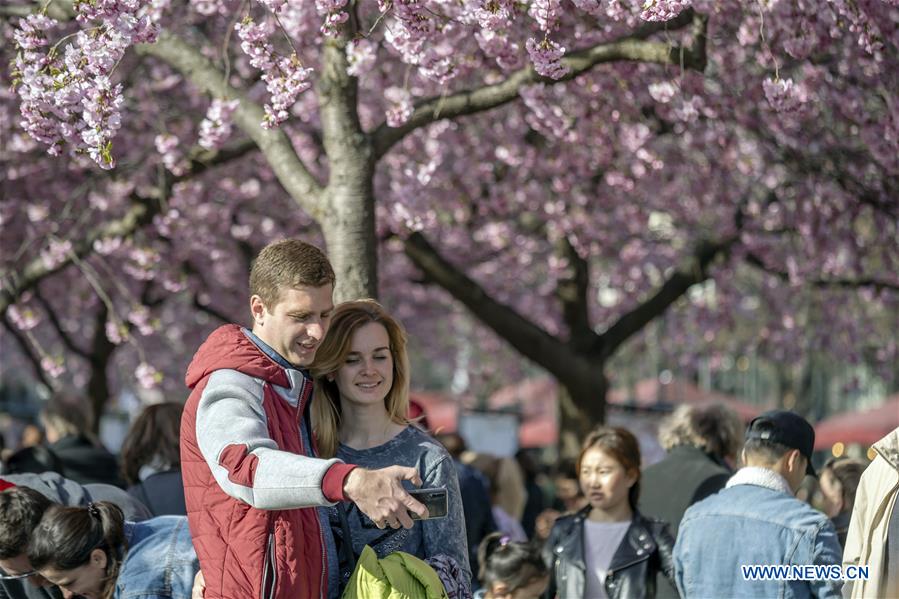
(66, 536)
(347, 319)
(153, 439)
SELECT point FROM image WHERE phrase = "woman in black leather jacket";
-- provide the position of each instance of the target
(608, 549)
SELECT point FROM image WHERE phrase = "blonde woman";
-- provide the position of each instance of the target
(359, 415)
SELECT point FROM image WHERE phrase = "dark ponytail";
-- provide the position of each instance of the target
(66, 536)
(515, 564)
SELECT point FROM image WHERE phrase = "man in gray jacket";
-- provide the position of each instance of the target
(17, 579)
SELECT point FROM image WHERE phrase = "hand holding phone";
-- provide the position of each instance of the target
(433, 499)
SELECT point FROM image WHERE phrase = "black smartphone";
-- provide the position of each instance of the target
(433, 499)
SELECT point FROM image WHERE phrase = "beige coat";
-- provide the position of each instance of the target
(874, 504)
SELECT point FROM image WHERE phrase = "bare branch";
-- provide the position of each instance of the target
(526, 337)
(631, 48)
(572, 291)
(27, 350)
(57, 325)
(53, 11)
(694, 270)
(860, 283)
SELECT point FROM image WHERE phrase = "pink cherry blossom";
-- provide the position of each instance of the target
(400, 108)
(547, 58)
(147, 376)
(215, 128)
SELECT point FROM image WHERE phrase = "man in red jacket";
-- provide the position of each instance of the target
(251, 480)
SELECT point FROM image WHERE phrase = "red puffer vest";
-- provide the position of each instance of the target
(234, 541)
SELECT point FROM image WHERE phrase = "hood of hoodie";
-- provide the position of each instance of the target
(228, 348)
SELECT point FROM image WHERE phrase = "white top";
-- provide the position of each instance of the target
(601, 540)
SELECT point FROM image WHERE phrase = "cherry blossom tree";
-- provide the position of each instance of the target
(567, 171)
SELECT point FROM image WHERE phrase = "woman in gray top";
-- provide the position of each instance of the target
(359, 415)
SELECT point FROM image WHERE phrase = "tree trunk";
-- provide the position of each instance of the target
(350, 238)
(101, 353)
(349, 221)
(582, 407)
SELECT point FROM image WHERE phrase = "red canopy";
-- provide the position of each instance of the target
(536, 398)
(858, 427)
(441, 410)
(650, 392)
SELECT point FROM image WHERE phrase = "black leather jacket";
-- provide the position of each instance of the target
(645, 550)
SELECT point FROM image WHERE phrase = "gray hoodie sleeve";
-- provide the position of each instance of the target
(447, 535)
(233, 436)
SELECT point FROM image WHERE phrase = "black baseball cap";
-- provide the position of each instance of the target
(787, 428)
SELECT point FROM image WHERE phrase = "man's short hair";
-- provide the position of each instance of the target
(714, 428)
(766, 452)
(21, 509)
(288, 264)
(782, 430)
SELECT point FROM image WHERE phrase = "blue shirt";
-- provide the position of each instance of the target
(427, 538)
(159, 562)
(748, 524)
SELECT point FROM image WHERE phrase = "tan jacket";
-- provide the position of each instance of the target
(874, 504)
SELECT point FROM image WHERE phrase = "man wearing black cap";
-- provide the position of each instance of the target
(756, 520)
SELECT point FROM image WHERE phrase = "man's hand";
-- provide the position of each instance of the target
(380, 495)
(199, 586)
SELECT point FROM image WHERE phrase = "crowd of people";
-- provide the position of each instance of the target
(290, 473)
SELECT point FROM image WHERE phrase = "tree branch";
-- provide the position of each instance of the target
(831, 164)
(15, 283)
(26, 349)
(53, 11)
(210, 310)
(695, 270)
(18, 282)
(631, 48)
(526, 337)
(878, 284)
(273, 143)
(63, 334)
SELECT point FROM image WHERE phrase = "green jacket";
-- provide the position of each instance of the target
(397, 576)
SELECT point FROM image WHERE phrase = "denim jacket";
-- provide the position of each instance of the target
(756, 520)
(159, 562)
